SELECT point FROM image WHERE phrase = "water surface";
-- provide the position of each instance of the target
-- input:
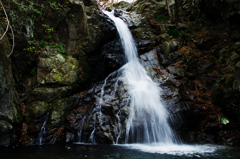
(134, 151)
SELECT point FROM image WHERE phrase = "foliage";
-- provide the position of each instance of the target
(46, 28)
(160, 18)
(175, 33)
(33, 71)
(42, 43)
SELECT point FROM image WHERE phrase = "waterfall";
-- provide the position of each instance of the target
(148, 119)
(42, 131)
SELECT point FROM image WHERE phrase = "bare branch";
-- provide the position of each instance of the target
(7, 20)
(7, 30)
(13, 42)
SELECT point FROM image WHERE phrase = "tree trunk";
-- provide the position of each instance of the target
(169, 11)
(177, 3)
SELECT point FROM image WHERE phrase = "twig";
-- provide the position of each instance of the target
(13, 42)
(7, 30)
(7, 20)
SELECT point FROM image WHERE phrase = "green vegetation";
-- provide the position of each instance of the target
(33, 71)
(42, 43)
(46, 28)
(161, 18)
(95, 26)
(175, 33)
(27, 6)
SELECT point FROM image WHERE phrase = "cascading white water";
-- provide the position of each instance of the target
(42, 131)
(147, 122)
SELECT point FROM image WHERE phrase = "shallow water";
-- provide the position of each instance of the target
(130, 151)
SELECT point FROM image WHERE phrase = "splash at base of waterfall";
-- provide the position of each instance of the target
(175, 149)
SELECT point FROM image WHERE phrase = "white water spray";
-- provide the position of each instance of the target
(147, 122)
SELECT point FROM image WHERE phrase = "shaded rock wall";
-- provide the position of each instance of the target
(57, 52)
(10, 112)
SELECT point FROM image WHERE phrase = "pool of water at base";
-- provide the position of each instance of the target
(129, 151)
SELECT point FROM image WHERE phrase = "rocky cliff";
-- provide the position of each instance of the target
(66, 59)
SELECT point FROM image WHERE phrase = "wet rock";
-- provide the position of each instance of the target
(109, 8)
(176, 71)
(137, 20)
(117, 13)
(168, 46)
(99, 118)
(70, 137)
(113, 56)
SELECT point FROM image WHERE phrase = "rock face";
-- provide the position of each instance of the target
(76, 47)
(112, 56)
(56, 49)
(102, 112)
(9, 106)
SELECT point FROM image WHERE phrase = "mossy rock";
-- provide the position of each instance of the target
(66, 73)
(36, 110)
